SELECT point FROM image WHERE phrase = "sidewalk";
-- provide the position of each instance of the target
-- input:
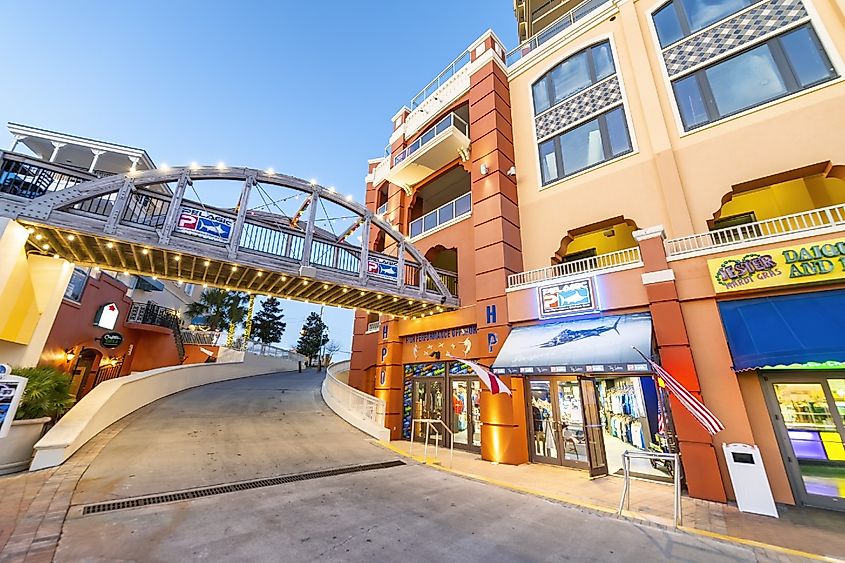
(803, 532)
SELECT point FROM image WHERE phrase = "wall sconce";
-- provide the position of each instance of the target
(69, 355)
(484, 169)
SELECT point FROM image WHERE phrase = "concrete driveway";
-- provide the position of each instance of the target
(275, 425)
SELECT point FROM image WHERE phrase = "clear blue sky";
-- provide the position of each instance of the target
(259, 84)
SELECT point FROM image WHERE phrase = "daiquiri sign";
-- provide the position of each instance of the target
(808, 263)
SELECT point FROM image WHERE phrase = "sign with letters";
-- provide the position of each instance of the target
(382, 268)
(567, 298)
(822, 261)
(11, 391)
(204, 224)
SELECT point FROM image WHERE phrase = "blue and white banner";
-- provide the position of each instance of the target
(11, 391)
(568, 298)
(382, 268)
(204, 224)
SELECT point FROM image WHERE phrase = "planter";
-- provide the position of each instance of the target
(16, 448)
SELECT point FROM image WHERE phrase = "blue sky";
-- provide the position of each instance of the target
(259, 84)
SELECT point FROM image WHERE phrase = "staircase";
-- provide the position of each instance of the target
(152, 314)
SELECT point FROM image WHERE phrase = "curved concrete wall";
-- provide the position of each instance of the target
(111, 400)
(355, 407)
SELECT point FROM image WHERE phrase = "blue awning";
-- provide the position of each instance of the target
(146, 283)
(597, 345)
(785, 330)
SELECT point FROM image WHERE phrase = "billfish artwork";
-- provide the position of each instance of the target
(569, 335)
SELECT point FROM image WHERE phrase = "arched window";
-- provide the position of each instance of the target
(577, 72)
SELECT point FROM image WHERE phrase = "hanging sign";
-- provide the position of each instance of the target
(106, 316)
(204, 224)
(822, 261)
(111, 340)
(567, 298)
(11, 391)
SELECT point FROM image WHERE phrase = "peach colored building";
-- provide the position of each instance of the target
(662, 175)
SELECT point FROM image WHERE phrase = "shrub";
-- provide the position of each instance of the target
(47, 393)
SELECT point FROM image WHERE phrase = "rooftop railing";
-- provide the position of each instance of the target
(455, 209)
(565, 21)
(456, 65)
(624, 257)
(758, 231)
(451, 120)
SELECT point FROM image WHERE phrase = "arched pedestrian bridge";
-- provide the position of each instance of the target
(145, 223)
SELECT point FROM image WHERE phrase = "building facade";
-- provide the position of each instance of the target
(659, 178)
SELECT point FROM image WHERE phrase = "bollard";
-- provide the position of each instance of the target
(300, 366)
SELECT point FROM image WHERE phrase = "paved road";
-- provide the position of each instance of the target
(273, 425)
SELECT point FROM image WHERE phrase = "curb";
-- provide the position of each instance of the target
(605, 511)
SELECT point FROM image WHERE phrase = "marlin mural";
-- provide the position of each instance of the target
(568, 335)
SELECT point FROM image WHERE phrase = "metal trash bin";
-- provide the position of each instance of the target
(750, 483)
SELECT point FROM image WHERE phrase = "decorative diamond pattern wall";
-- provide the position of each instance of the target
(735, 32)
(588, 102)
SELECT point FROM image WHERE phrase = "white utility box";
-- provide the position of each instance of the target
(751, 485)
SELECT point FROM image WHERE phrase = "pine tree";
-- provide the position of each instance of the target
(312, 338)
(267, 326)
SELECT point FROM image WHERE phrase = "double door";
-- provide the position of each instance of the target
(457, 404)
(565, 425)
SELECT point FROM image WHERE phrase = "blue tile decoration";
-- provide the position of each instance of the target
(591, 101)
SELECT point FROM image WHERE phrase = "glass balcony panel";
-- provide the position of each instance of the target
(463, 205)
(445, 213)
(430, 221)
(416, 227)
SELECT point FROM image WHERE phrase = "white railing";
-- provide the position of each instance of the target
(759, 231)
(565, 21)
(430, 88)
(381, 170)
(455, 209)
(373, 327)
(382, 209)
(451, 120)
(260, 349)
(625, 257)
(360, 409)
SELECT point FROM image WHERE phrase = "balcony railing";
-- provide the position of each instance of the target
(593, 264)
(455, 209)
(456, 65)
(152, 314)
(565, 21)
(30, 178)
(451, 120)
(200, 337)
(382, 209)
(803, 222)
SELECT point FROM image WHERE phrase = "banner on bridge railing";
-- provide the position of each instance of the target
(204, 224)
(382, 268)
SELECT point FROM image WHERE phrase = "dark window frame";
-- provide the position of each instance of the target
(605, 142)
(591, 67)
(783, 66)
(684, 21)
(86, 272)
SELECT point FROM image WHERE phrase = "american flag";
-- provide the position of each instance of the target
(493, 383)
(701, 413)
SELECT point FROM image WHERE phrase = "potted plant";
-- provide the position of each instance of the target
(46, 398)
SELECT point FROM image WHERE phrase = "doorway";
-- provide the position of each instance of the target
(428, 395)
(82, 380)
(465, 414)
(565, 426)
(807, 411)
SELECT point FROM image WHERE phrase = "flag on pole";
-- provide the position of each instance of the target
(701, 413)
(493, 383)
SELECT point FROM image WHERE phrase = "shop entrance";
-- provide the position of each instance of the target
(428, 404)
(465, 414)
(808, 410)
(82, 380)
(566, 427)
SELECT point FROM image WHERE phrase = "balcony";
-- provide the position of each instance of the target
(441, 79)
(797, 225)
(152, 314)
(434, 149)
(447, 214)
(603, 263)
(561, 24)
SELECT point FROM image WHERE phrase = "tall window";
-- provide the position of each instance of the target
(579, 71)
(679, 18)
(781, 66)
(591, 143)
(76, 286)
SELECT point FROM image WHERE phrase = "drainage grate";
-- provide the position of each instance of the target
(232, 487)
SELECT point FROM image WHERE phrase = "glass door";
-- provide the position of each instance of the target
(808, 414)
(570, 424)
(427, 400)
(475, 418)
(543, 427)
(465, 414)
(593, 428)
(557, 431)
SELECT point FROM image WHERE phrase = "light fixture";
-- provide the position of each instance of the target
(109, 245)
(221, 165)
(395, 299)
(348, 198)
(69, 355)
(56, 256)
(379, 296)
(313, 181)
(194, 165)
(284, 278)
(30, 230)
(177, 258)
(360, 293)
(155, 277)
(512, 171)
(410, 302)
(304, 282)
(145, 252)
(164, 167)
(325, 286)
(39, 237)
(71, 238)
(205, 285)
(484, 169)
(207, 263)
(345, 289)
(270, 171)
(45, 246)
(234, 268)
(331, 189)
(259, 274)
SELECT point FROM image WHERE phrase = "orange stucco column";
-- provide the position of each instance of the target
(498, 250)
(698, 456)
(389, 375)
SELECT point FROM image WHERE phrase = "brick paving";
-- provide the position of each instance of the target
(34, 505)
(813, 531)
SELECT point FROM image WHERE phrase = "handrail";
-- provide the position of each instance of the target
(803, 221)
(618, 258)
(421, 221)
(461, 61)
(450, 120)
(628, 455)
(563, 22)
(428, 422)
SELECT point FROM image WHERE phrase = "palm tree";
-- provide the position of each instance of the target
(213, 307)
(236, 311)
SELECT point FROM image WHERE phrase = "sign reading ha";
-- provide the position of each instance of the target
(204, 224)
(567, 298)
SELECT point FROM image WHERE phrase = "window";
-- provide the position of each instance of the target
(680, 18)
(579, 71)
(76, 286)
(189, 289)
(588, 144)
(781, 66)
